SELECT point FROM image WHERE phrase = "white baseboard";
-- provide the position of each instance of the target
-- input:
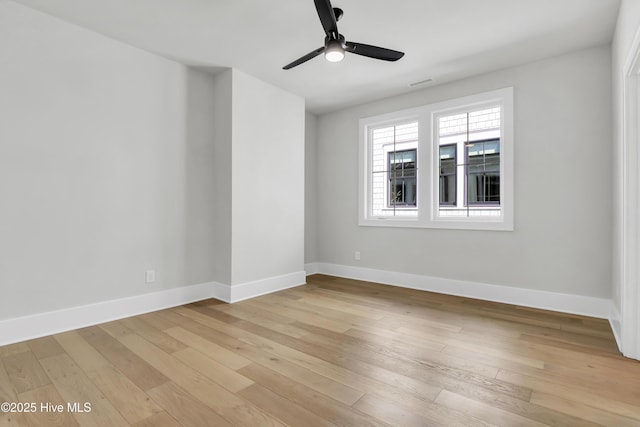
(615, 320)
(566, 303)
(312, 268)
(43, 324)
(243, 291)
(53, 322)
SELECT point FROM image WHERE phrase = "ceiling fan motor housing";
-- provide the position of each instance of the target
(335, 41)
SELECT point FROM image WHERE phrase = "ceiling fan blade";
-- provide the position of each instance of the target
(373, 51)
(327, 16)
(305, 58)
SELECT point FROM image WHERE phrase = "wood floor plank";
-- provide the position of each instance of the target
(325, 311)
(565, 357)
(492, 359)
(431, 373)
(8, 394)
(162, 419)
(602, 349)
(153, 335)
(264, 318)
(182, 406)
(317, 382)
(322, 302)
(130, 364)
(157, 321)
(321, 405)
(11, 349)
(516, 357)
(7, 391)
(284, 409)
(87, 357)
(169, 316)
(24, 371)
(45, 417)
(367, 377)
(225, 403)
(574, 340)
(310, 378)
(525, 409)
(373, 332)
(582, 411)
(388, 365)
(400, 415)
(194, 314)
(611, 386)
(483, 411)
(218, 353)
(590, 397)
(75, 387)
(226, 377)
(416, 350)
(576, 358)
(382, 297)
(480, 347)
(396, 387)
(45, 347)
(116, 329)
(133, 403)
(424, 319)
(301, 315)
(263, 347)
(14, 420)
(618, 388)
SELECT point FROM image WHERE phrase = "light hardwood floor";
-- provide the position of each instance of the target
(335, 352)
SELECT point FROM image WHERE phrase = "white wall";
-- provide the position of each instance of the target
(267, 181)
(221, 220)
(106, 167)
(562, 238)
(310, 193)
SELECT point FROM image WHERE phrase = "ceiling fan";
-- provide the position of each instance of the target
(335, 44)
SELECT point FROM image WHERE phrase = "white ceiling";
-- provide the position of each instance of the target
(442, 39)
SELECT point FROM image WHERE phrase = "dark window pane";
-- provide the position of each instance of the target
(402, 192)
(448, 175)
(410, 191)
(448, 167)
(448, 190)
(483, 172)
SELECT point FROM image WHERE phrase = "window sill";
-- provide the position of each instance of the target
(480, 224)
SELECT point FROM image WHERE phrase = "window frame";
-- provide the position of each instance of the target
(365, 155)
(428, 176)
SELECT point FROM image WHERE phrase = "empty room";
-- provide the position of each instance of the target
(320, 213)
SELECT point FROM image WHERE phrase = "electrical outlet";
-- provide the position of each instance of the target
(357, 256)
(150, 276)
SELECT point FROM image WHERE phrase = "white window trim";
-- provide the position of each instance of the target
(366, 159)
(428, 175)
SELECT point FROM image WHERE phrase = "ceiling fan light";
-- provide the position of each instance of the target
(334, 51)
(334, 56)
